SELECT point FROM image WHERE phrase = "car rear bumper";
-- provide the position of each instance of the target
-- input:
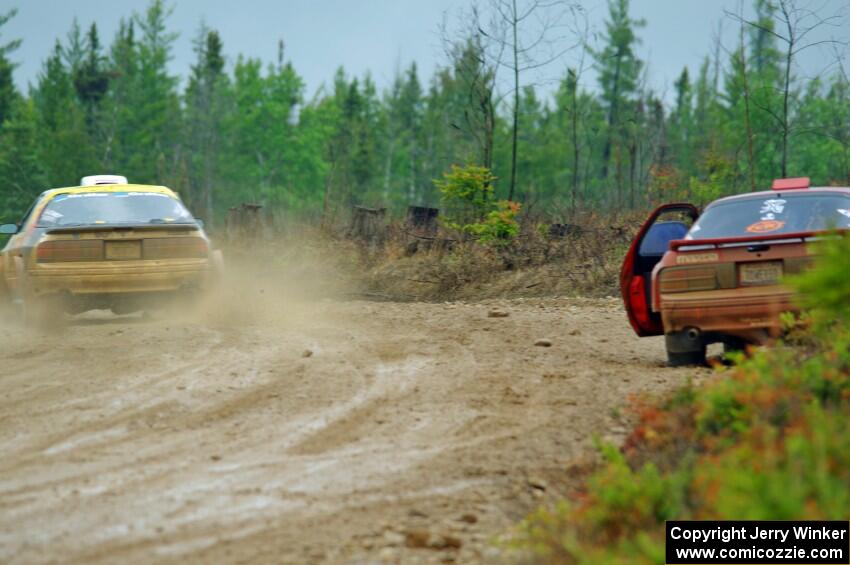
(750, 313)
(118, 277)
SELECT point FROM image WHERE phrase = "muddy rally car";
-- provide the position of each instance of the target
(105, 244)
(717, 276)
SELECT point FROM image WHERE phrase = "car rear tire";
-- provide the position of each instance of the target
(45, 313)
(41, 313)
(216, 275)
(684, 349)
(5, 298)
(686, 359)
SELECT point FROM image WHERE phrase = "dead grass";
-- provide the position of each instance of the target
(400, 266)
(586, 262)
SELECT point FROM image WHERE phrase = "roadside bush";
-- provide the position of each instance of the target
(467, 194)
(764, 439)
(499, 228)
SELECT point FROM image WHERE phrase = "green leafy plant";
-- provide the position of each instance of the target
(466, 193)
(499, 227)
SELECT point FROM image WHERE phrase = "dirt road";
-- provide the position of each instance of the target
(328, 431)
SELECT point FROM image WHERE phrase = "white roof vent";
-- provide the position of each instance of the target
(95, 180)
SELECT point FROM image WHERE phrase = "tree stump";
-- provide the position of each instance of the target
(557, 231)
(367, 224)
(422, 221)
(244, 223)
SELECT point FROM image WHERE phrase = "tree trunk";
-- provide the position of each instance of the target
(489, 129)
(633, 153)
(612, 119)
(785, 111)
(789, 55)
(747, 123)
(576, 150)
(388, 167)
(516, 104)
(327, 199)
(411, 190)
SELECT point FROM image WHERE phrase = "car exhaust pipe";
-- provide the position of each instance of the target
(692, 333)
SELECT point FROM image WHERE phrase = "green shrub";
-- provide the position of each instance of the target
(825, 291)
(500, 227)
(467, 195)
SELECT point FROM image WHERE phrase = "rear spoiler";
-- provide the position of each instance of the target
(716, 243)
(125, 227)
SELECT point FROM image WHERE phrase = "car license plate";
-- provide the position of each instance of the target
(768, 272)
(123, 250)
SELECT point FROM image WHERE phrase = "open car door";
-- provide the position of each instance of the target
(666, 223)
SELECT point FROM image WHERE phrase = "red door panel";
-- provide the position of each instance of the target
(636, 272)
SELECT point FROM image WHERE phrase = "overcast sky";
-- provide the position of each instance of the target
(372, 35)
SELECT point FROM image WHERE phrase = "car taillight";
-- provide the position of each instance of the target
(71, 250)
(685, 279)
(637, 299)
(175, 248)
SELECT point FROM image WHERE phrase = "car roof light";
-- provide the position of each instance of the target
(95, 180)
(791, 184)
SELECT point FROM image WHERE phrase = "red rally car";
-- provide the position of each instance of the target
(717, 276)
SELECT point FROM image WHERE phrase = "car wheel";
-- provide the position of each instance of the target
(216, 270)
(686, 358)
(684, 348)
(6, 302)
(38, 312)
(193, 302)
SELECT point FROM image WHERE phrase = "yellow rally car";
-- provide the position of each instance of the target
(105, 245)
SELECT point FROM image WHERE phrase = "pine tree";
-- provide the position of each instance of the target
(156, 125)
(764, 84)
(469, 90)
(121, 102)
(205, 109)
(403, 109)
(8, 93)
(20, 161)
(67, 149)
(619, 70)
(91, 78)
(680, 130)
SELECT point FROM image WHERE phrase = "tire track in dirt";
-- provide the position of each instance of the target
(175, 440)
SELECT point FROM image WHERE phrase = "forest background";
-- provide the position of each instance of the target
(241, 130)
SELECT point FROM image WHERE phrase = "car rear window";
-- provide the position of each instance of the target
(91, 208)
(774, 214)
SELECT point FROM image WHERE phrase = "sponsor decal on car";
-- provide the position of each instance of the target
(770, 208)
(765, 226)
(691, 258)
